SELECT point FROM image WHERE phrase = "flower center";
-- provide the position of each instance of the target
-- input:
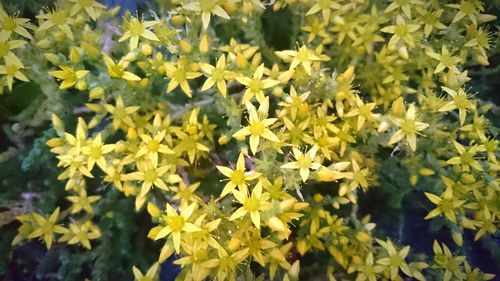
(256, 128)
(176, 223)
(252, 204)
(9, 24)
(238, 177)
(153, 145)
(408, 126)
(58, 18)
(136, 28)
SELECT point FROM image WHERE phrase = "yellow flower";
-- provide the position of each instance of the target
(445, 204)
(12, 69)
(217, 75)
(363, 111)
(118, 70)
(81, 233)
(95, 149)
(256, 85)
(136, 29)
(121, 113)
(405, 6)
(257, 126)
(302, 56)
(68, 75)
(186, 194)
(466, 157)
(324, 6)
(45, 227)
(176, 224)
(207, 7)
(91, 7)
(252, 204)
(446, 60)
(430, 19)
(237, 177)
(408, 128)
(152, 146)
(401, 31)
(82, 202)
(303, 162)
(295, 102)
(150, 176)
(460, 101)
(190, 144)
(179, 75)
(7, 45)
(9, 24)
(59, 18)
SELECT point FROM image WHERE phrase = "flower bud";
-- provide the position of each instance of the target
(96, 93)
(146, 49)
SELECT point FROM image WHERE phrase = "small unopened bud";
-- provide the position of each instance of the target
(96, 93)
(204, 44)
(146, 49)
(81, 85)
(223, 139)
(185, 46)
(276, 224)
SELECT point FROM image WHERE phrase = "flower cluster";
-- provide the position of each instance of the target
(292, 137)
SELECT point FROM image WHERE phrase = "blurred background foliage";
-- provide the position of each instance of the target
(29, 178)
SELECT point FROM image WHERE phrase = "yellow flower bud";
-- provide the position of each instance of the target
(229, 6)
(403, 52)
(44, 44)
(74, 55)
(363, 237)
(318, 197)
(204, 46)
(144, 82)
(302, 247)
(58, 124)
(413, 180)
(53, 58)
(299, 206)
(178, 20)
(340, 96)
(223, 140)
(59, 36)
(233, 244)
(295, 269)
(130, 57)
(146, 49)
(278, 92)
(96, 93)
(81, 85)
(457, 238)
(185, 46)
(286, 205)
(426, 172)
(467, 178)
(120, 147)
(131, 133)
(398, 107)
(276, 224)
(153, 210)
(55, 142)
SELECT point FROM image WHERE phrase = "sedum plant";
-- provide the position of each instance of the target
(253, 157)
